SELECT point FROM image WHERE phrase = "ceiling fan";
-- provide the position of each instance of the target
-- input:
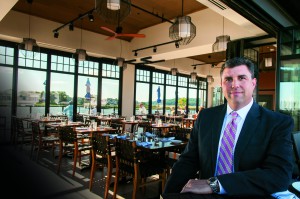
(118, 33)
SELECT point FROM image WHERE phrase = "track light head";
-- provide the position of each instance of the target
(154, 49)
(135, 53)
(71, 27)
(91, 17)
(176, 44)
(56, 34)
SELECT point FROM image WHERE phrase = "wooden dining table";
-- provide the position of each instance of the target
(188, 122)
(164, 128)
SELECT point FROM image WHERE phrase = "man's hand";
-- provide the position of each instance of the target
(197, 187)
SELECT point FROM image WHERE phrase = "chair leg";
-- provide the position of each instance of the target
(59, 156)
(32, 148)
(38, 152)
(116, 183)
(109, 173)
(92, 175)
(75, 158)
(135, 183)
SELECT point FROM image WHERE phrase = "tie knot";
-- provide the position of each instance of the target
(234, 114)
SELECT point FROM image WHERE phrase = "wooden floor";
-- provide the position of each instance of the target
(23, 177)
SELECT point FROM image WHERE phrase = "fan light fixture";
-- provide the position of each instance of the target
(174, 71)
(29, 44)
(183, 29)
(221, 42)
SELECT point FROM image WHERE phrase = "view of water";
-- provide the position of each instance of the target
(40, 111)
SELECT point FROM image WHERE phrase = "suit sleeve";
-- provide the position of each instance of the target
(264, 162)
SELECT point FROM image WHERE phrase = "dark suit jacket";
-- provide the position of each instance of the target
(263, 159)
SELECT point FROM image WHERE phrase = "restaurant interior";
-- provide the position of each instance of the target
(79, 64)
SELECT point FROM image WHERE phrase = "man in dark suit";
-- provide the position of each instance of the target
(261, 154)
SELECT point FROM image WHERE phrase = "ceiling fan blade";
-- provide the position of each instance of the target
(108, 30)
(131, 35)
(110, 38)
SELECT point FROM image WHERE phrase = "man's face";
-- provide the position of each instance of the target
(237, 86)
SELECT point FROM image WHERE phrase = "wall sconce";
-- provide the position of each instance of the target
(174, 71)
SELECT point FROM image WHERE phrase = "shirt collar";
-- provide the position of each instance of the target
(243, 111)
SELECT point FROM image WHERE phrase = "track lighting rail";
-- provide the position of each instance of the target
(156, 45)
(72, 21)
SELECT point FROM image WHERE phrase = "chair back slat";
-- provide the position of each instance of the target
(67, 134)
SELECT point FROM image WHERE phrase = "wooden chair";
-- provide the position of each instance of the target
(116, 124)
(145, 125)
(69, 142)
(41, 141)
(102, 157)
(182, 134)
(3, 128)
(13, 134)
(22, 133)
(138, 164)
(296, 148)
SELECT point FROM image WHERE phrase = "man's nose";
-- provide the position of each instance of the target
(235, 83)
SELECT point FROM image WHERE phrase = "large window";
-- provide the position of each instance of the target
(157, 98)
(163, 93)
(202, 94)
(192, 97)
(46, 82)
(158, 80)
(61, 94)
(87, 94)
(182, 94)
(289, 82)
(110, 96)
(170, 98)
(31, 93)
(142, 96)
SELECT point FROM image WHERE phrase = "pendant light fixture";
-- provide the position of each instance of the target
(183, 29)
(113, 11)
(28, 44)
(174, 70)
(81, 53)
(221, 42)
(194, 75)
(113, 4)
(120, 60)
(209, 78)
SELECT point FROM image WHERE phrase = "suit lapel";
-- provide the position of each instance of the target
(247, 132)
(216, 132)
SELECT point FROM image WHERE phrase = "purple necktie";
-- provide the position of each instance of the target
(225, 164)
